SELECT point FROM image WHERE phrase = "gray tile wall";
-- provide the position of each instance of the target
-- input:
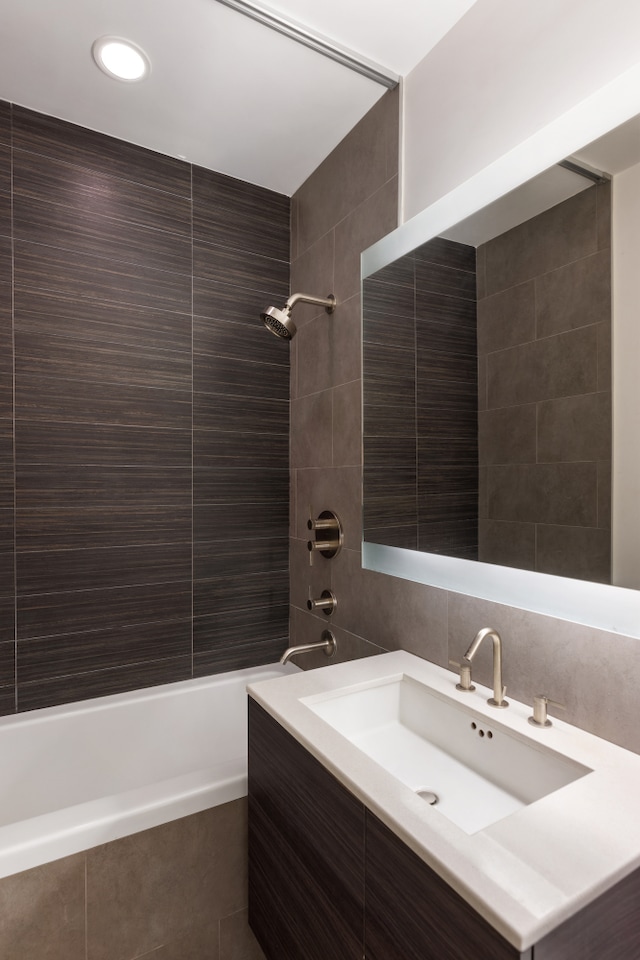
(592, 672)
(544, 338)
(175, 892)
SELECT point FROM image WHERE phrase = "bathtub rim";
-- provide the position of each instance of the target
(78, 827)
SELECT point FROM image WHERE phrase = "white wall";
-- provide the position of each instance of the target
(506, 70)
(626, 391)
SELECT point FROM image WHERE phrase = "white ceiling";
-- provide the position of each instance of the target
(225, 92)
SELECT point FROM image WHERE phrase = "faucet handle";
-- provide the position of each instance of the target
(539, 717)
(465, 675)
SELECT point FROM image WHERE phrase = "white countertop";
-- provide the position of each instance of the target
(525, 874)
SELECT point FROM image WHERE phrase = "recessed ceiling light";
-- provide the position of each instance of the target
(121, 59)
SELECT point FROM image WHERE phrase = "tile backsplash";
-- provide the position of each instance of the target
(147, 407)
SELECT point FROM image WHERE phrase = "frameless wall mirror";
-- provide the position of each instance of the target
(487, 393)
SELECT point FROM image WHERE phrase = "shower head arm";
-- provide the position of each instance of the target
(328, 302)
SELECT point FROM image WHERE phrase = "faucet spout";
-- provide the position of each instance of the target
(497, 700)
(328, 643)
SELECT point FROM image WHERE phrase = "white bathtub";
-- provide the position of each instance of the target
(76, 776)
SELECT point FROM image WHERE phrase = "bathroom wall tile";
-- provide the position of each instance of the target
(390, 374)
(5, 261)
(240, 340)
(604, 494)
(445, 279)
(211, 447)
(94, 567)
(82, 401)
(354, 170)
(6, 353)
(90, 485)
(400, 272)
(603, 215)
(537, 659)
(48, 442)
(5, 121)
(59, 140)
(605, 366)
(307, 578)
(79, 274)
(41, 355)
(313, 272)
(100, 683)
(390, 497)
(508, 543)
(347, 424)
(93, 234)
(560, 235)
(152, 887)
(455, 538)
(68, 612)
(80, 189)
(330, 488)
(247, 414)
(42, 312)
(221, 654)
(583, 553)
(5, 188)
(454, 311)
(575, 428)
(396, 536)
(312, 430)
(242, 519)
(449, 412)
(228, 600)
(371, 220)
(201, 942)
(328, 350)
(222, 264)
(241, 215)
(217, 300)
(507, 319)
(309, 629)
(574, 295)
(384, 303)
(507, 435)
(227, 483)
(70, 528)
(79, 653)
(233, 558)
(563, 493)
(415, 615)
(239, 378)
(5, 207)
(7, 650)
(7, 701)
(560, 366)
(445, 355)
(42, 912)
(389, 420)
(237, 941)
(448, 253)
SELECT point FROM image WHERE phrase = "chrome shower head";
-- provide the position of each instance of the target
(279, 322)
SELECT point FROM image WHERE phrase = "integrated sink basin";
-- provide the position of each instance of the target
(528, 824)
(474, 771)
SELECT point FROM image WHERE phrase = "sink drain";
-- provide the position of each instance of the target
(428, 795)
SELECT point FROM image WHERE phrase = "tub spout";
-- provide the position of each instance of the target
(328, 643)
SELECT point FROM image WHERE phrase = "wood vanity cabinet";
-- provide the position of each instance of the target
(329, 881)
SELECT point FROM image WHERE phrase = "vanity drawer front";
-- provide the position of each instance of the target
(306, 851)
(608, 929)
(411, 914)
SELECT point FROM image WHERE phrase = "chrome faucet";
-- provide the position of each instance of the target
(497, 700)
(327, 643)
